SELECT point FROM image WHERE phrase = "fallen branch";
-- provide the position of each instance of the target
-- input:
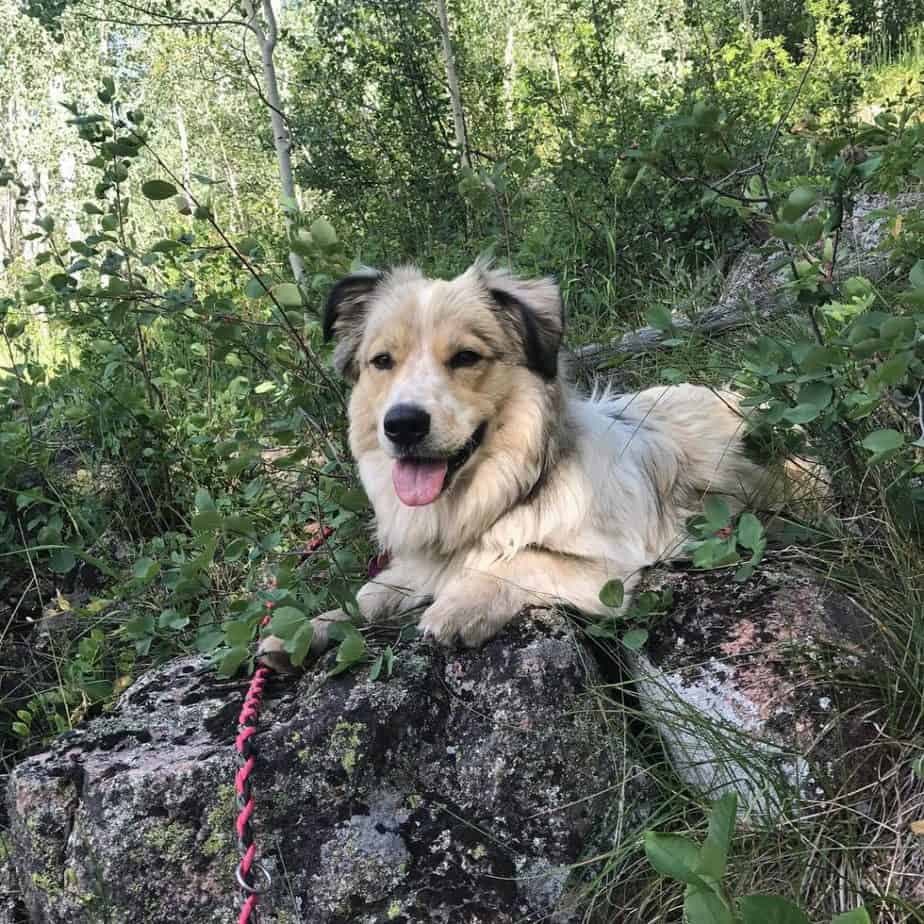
(754, 289)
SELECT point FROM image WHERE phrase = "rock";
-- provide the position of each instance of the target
(457, 791)
(741, 681)
(10, 908)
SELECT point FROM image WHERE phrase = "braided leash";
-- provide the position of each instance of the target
(246, 729)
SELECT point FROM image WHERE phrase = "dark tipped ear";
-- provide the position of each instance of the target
(345, 316)
(534, 309)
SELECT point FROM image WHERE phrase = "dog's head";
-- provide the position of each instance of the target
(433, 364)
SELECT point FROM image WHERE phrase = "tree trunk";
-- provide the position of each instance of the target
(236, 207)
(184, 154)
(510, 76)
(452, 79)
(282, 141)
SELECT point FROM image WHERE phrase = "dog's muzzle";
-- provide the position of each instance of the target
(419, 481)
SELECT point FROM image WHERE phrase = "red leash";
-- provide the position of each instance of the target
(246, 729)
(247, 722)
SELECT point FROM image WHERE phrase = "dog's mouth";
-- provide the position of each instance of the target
(419, 481)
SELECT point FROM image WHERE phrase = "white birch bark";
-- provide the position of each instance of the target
(184, 153)
(510, 76)
(267, 34)
(452, 79)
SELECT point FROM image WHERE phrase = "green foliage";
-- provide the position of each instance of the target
(171, 436)
(717, 541)
(630, 626)
(703, 867)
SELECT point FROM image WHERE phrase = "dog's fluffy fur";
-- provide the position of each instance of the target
(556, 493)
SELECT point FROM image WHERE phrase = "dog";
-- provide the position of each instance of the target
(495, 485)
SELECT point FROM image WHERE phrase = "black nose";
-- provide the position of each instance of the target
(406, 424)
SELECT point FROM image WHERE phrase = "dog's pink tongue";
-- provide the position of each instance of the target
(418, 483)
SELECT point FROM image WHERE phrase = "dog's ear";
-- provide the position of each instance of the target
(534, 309)
(345, 316)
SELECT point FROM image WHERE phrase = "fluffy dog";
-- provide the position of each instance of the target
(495, 485)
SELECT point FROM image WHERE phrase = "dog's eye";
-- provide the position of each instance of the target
(382, 361)
(464, 358)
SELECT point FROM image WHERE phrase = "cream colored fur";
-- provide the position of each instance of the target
(565, 492)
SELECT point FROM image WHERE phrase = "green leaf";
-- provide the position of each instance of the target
(857, 916)
(635, 639)
(286, 621)
(323, 233)
(917, 767)
(165, 246)
(350, 651)
(265, 388)
(703, 906)
(204, 500)
(716, 511)
(389, 660)
(376, 668)
(660, 318)
(140, 627)
(713, 553)
(237, 632)
(883, 442)
(674, 856)
(62, 560)
(248, 246)
(351, 648)
(300, 644)
(869, 166)
(802, 413)
(236, 548)
(386, 661)
(158, 189)
(613, 593)
(893, 370)
(770, 909)
(353, 500)
(800, 200)
(288, 295)
(750, 531)
(145, 569)
(237, 525)
(170, 619)
(917, 275)
(257, 287)
(208, 639)
(232, 660)
(818, 393)
(713, 855)
(206, 522)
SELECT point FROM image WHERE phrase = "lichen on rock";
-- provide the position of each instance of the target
(463, 788)
(740, 680)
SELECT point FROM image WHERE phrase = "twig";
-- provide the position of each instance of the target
(785, 116)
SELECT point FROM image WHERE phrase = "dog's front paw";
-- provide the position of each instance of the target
(273, 654)
(447, 621)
